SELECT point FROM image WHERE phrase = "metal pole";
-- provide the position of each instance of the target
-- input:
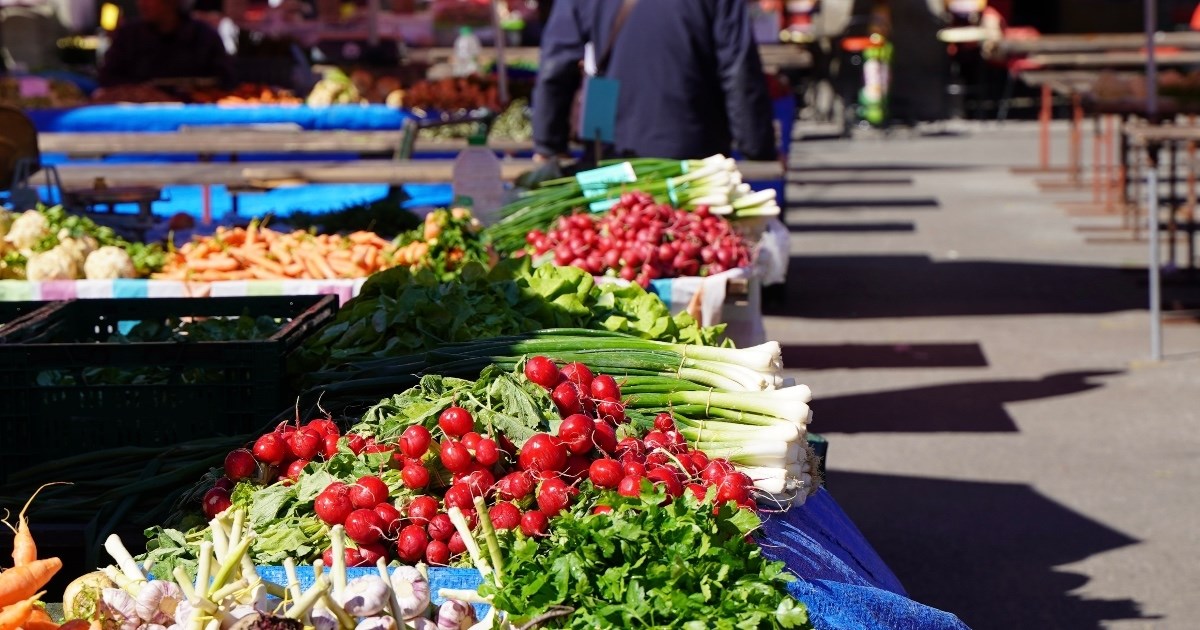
(1152, 183)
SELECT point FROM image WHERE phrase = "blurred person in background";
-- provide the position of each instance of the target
(164, 42)
(691, 81)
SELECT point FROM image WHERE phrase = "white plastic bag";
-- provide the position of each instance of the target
(773, 253)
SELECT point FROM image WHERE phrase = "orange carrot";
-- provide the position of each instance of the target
(261, 273)
(280, 252)
(20, 583)
(294, 269)
(371, 259)
(16, 614)
(24, 549)
(39, 619)
(254, 260)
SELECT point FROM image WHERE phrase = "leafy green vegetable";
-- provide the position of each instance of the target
(679, 565)
(399, 312)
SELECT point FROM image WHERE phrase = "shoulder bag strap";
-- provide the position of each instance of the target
(618, 23)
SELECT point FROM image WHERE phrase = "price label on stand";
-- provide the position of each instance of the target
(599, 119)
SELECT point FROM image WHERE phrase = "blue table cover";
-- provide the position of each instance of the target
(170, 117)
(844, 583)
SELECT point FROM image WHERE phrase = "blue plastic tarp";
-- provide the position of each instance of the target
(170, 117)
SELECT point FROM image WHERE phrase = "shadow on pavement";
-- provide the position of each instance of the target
(846, 287)
(970, 407)
(884, 355)
(879, 226)
(986, 552)
(873, 203)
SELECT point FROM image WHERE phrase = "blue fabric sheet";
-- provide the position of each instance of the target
(170, 117)
(844, 583)
(282, 202)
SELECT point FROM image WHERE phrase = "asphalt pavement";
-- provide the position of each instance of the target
(979, 357)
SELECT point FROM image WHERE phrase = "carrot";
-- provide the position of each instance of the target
(322, 266)
(24, 549)
(19, 583)
(280, 252)
(254, 260)
(345, 269)
(371, 259)
(260, 273)
(251, 232)
(359, 254)
(216, 263)
(14, 615)
(39, 619)
(294, 269)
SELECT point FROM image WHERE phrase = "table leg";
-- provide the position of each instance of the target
(1097, 142)
(1044, 130)
(206, 204)
(1076, 151)
(1123, 169)
(1109, 161)
(1133, 211)
(1189, 211)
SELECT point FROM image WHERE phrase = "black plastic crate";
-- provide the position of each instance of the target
(13, 313)
(234, 386)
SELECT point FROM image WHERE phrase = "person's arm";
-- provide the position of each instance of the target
(751, 119)
(558, 79)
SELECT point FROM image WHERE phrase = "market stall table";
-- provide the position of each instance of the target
(323, 171)
(1090, 42)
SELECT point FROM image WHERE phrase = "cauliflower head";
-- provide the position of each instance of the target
(79, 248)
(27, 230)
(108, 263)
(56, 264)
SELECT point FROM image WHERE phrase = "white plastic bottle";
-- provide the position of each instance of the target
(466, 53)
(477, 180)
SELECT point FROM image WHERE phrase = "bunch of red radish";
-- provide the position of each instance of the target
(523, 488)
(640, 241)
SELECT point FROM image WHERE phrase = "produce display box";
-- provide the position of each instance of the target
(237, 385)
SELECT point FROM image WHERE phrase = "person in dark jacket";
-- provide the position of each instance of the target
(691, 81)
(164, 42)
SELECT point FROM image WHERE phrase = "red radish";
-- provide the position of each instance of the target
(576, 433)
(664, 422)
(226, 484)
(371, 553)
(566, 398)
(331, 445)
(271, 449)
(363, 526)
(470, 439)
(554, 496)
(459, 496)
(515, 486)
(675, 441)
(479, 482)
(240, 464)
(456, 422)
(605, 473)
(633, 469)
(333, 507)
(630, 486)
(368, 491)
(604, 387)
(437, 553)
(373, 448)
(338, 487)
(602, 509)
(668, 479)
(611, 411)
(455, 457)
(699, 458)
(542, 371)
(415, 476)
(295, 468)
(505, 515)
(351, 555)
(631, 445)
(542, 453)
(698, 491)
(356, 442)
(422, 509)
(658, 458)
(324, 427)
(735, 487)
(472, 518)
(391, 518)
(576, 468)
(605, 438)
(415, 440)
(440, 527)
(534, 523)
(215, 501)
(656, 440)
(456, 544)
(286, 429)
(715, 471)
(579, 374)
(487, 452)
(411, 545)
(306, 443)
